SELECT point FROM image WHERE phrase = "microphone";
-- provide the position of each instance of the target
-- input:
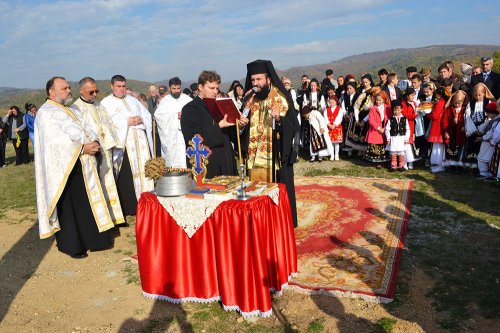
(247, 97)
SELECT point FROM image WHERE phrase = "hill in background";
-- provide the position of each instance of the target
(395, 60)
(19, 97)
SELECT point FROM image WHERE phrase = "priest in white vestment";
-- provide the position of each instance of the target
(98, 119)
(70, 200)
(132, 122)
(168, 115)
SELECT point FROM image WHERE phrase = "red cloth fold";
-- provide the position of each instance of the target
(242, 251)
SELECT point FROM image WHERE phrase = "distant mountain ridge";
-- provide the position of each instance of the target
(394, 60)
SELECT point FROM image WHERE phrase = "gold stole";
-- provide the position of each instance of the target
(260, 140)
(92, 183)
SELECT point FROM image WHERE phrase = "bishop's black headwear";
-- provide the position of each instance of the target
(266, 67)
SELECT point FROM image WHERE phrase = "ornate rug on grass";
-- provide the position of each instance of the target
(350, 235)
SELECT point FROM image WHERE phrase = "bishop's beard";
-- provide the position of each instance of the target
(263, 92)
(176, 95)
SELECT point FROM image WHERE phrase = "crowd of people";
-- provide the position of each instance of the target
(90, 156)
(445, 122)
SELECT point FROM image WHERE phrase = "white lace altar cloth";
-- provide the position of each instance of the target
(190, 214)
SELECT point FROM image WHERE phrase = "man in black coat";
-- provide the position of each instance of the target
(216, 131)
(488, 77)
(272, 139)
(3, 141)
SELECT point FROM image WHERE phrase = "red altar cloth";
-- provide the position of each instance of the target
(244, 250)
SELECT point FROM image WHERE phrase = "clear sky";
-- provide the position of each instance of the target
(156, 40)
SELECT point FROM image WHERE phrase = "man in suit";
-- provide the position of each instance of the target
(488, 77)
(216, 131)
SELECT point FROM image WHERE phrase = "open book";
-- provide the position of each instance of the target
(222, 106)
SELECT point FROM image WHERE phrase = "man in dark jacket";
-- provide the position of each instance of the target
(488, 77)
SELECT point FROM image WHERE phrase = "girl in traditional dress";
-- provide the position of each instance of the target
(495, 141)
(334, 113)
(425, 107)
(358, 127)
(453, 125)
(347, 102)
(474, 118)
(410, 112)
(313, 97)
(435, 136)
(397, 132)
(377, 119)
(487, 149)
(320, 144)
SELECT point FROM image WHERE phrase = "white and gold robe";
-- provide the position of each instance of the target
(173, 146)
(61, 133)
(98, 119)
(136, 139)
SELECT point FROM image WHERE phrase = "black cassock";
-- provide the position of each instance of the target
(196, 119)
(79, 231)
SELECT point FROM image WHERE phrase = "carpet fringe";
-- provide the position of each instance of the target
(340, 294)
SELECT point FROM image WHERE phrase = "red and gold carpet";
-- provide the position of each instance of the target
(350, 235)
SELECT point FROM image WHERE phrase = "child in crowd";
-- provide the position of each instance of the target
(320, 144)
(410, 113)
(397, 132)
(474, 118)
(333, 114)
(391, 89)
(453, 125)
(435, 132)
(427, 101)
(348, 100)
(377, 118)
(487, 147)
(495, 141)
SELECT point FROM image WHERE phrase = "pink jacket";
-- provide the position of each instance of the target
(373, 136)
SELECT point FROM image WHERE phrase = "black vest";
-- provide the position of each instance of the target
(20, 121)
(398, 129)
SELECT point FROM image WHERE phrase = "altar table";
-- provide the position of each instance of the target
(242, 252)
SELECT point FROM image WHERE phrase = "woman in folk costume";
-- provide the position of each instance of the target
(485, 156)
(397, 132)
(410, 112)
(347, 101)
(453, 125)
(358, 127)
(320, 144)
(334, 114)
(313, 97)
(474, 118)
(377, 119)
(315, 100)
(435, 136)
